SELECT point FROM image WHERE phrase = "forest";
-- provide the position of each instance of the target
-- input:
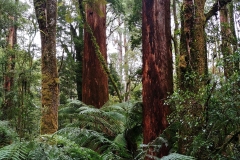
(119, 79)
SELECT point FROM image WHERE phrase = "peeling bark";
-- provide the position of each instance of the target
(157, 70)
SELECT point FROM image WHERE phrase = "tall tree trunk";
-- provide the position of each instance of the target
(193, 67)
(10, 65)
(234, 36)
(185, 59)
(193, 55)
(226, 39)
(198, 51)
(127, 80)
(120, 56)
(95, 81)
(176, 38)
(157, 70)
(78, 45)
(46, 12)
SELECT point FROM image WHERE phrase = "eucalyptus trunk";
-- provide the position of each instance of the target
(234, 36)
(7, 106)
(176, 37)
(127, 79)
(157, 70)
(95, 81)
(193, 68)
(226, 45)
(78, 45)
(193, 55)
(46, 13)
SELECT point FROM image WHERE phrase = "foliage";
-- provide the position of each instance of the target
(7, 135)
(47, 147)
(15, 151)
(25, 90)
(116, 5)
(207, 121)
(175, 156)
(8, 8)
(111, 132)
(119, 125)
(210, 117)
(134, 21)
(116, 78)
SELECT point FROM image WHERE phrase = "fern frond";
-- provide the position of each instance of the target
(99, 120)
(75, 103)
(120, 139)
(89, 109)
(15, 151)
(7, 135)
(59, 147)
(176, 156)
(94, 140)
(112, 128)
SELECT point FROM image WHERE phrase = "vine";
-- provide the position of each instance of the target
(98, 52)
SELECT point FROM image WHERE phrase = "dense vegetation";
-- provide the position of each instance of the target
(202, 105)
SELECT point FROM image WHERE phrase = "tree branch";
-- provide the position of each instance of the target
(220, 149)
(216, 7)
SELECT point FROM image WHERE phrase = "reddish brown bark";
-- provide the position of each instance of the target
(95, 81)
(11, 40)
(157, 70)
(9, 76)
(46, 12)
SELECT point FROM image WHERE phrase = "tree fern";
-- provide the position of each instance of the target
(116, 127)
(58, 147)
(99, 120)
(7, 135)
(15, 151)
(94, 141)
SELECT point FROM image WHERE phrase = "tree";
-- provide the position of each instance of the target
(70, 23)
(10, 65)
(95, 81)
(193, 68)
(11, 41)
(46, 13)
(157, 70)
(226, 39)
(234, 36)
(78, 44)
